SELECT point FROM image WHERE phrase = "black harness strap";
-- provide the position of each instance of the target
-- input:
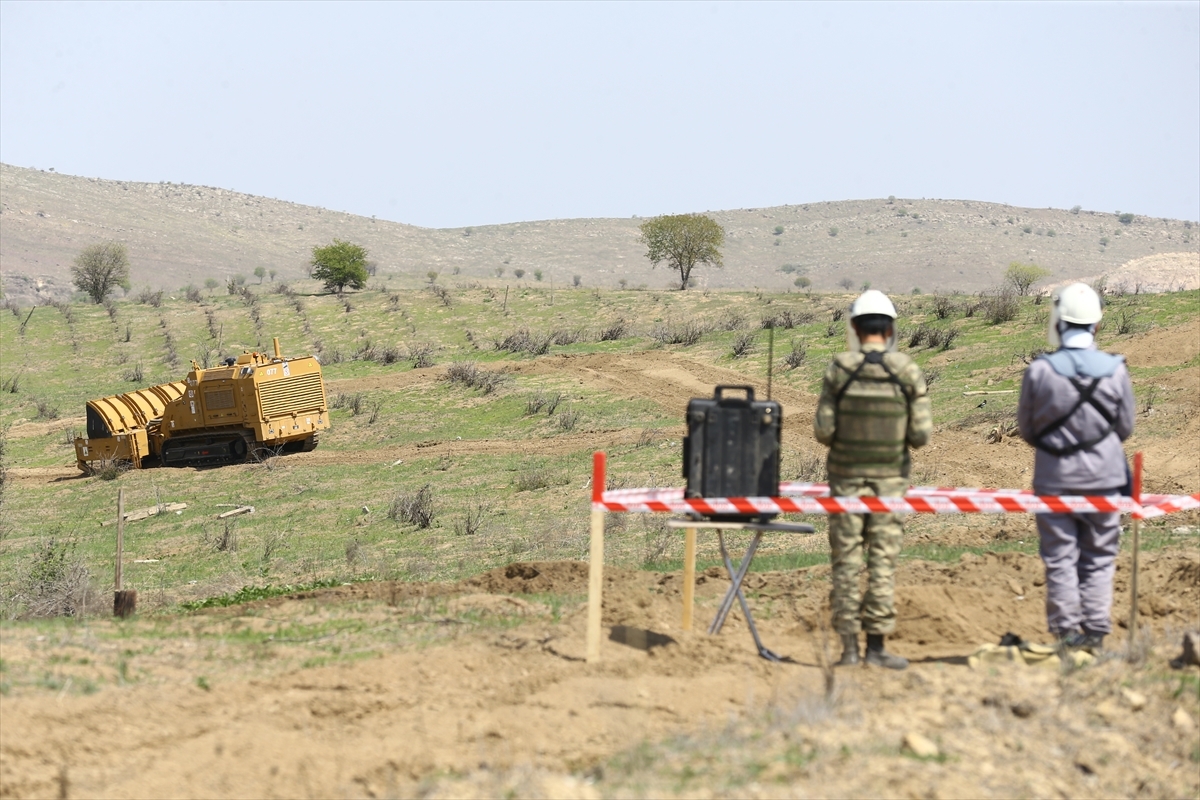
(873, 357)
(1086, 395)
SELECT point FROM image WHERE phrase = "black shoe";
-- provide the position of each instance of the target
(1087, 641)
(878, 657)
(849, 651)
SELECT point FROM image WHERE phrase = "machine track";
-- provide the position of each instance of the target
(208, 449)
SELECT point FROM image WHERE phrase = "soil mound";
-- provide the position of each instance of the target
(537, 577)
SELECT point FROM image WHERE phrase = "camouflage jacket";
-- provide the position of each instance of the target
(874, 406)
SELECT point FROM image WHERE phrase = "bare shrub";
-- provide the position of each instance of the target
(111, 308)
(919, 335)
(945, 338)
(731, 321)
(469, 374)
(350, 402)
(45, 410)
(534, 403)
(685, 333)
(787, 319)
(56, 583)
(1126, 321)
(943, 306)
(552, 403)
(563, 336)
(149, 297)
(536, 476)
(374, 406)
(932, 375)
(832, 329)
(647, 437)
(472, 520)
(110, 469)
(1000, 305)
(522, 341)
(420, 355)
(442, 293)
(615, 330)
(797, 354)
(415, 508)
(811, 468)
(657, 539)
(743, 343)
(838, 313)
(224, 540)
(568, 419)
(379, 353)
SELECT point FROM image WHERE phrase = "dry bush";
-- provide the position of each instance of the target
(797, 354)
(351, 402)
(563, 336)
(919, 335)
(110, 469)
(522, 341)
(646, 438)
(472, 520)
(568, 419)
(536, 476)
(415, 508)
(743, 343)
(535, 403)
(931, 376)
(618, 329)
(1000, 305)
(685, 333)
(12, 306)
(838, 313)
(148, 297)
(56, 583)
(224, 540)
(943, 306)
(787, 319)
(657, 539)
(469, 374)
(731, 321)
(45, 410)
(811, 468)
(442, 293)
(374, 406)
(832, 329)
(1126, 322)
(379, 353)
(552, 403)
(420, 355)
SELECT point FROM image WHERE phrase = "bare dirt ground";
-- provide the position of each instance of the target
(503, 696)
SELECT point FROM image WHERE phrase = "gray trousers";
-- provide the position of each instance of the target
(1080, 554)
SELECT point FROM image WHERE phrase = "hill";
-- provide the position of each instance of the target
(179, 234)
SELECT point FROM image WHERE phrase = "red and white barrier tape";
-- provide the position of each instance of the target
(812, 498)
(667, 500)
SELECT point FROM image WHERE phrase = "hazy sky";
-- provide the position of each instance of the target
(455, 114)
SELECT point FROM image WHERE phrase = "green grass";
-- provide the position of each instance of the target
(309, 527)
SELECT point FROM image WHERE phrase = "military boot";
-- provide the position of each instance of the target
(877, 656)
(849, 650)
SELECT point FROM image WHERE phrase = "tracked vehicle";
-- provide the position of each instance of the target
(220, 415)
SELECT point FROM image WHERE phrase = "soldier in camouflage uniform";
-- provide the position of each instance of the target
(873, 408)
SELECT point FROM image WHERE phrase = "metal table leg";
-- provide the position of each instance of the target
(736, 591)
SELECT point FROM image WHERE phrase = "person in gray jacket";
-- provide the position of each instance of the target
(1077, 408)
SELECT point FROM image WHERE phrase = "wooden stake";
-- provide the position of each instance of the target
(689, 576)
(1137, 530)
(596, 562)
(124, 602)
(120, 537)
(505, 299)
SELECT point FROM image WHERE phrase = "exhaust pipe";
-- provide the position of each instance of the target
(276, 341)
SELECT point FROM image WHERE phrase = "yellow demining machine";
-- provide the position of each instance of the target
(214, 416)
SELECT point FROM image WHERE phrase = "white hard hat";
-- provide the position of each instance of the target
(871, 301)
(1078, 304)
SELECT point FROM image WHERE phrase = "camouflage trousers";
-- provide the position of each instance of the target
(880, 536)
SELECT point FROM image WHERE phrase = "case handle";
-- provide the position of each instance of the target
(718, 391)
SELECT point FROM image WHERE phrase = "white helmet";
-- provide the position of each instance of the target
(871, 301)
(1078, 304)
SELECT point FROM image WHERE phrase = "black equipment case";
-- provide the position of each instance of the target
(732, 447)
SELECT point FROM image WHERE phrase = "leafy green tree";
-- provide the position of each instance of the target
(100, 268)
(339, 265)
(210, 284)
(1022, 277)
(260, 273)
(683, 241)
